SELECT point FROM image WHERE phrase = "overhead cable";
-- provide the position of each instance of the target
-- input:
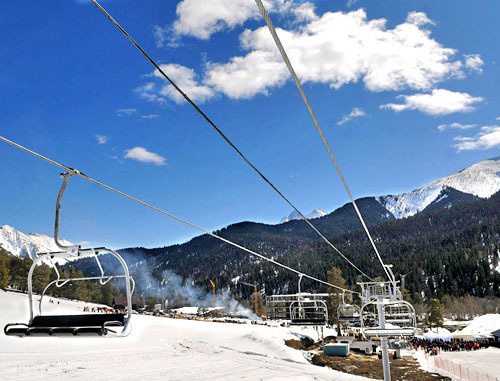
(88, 178)
(282, 51)
(228, 141)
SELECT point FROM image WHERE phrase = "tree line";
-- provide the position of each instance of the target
(14, 274)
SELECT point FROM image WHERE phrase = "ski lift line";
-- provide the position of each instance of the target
(282, 51)
(219, 131)
(96, 182)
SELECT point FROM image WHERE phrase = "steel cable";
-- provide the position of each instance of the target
(284, 55)
(228, 141)
(88, 178)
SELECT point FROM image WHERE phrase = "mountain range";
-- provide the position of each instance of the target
(480, 180)
(446, 235)
(316, 213)
(27, 245)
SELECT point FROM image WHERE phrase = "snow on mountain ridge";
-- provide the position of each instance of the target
(316, 213)
(481, 179)
(22, 245)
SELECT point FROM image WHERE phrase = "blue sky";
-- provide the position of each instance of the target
(406, 91)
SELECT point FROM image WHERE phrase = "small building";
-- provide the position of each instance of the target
(496, 335)
(120, 302)
(336, 349)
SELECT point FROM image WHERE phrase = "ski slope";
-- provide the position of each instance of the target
(157, 349)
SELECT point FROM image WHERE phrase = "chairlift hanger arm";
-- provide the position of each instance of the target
(66, 176)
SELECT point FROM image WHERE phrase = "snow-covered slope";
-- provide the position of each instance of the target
(157, 348)
(20, 244)
(481, 179)
(316, 213)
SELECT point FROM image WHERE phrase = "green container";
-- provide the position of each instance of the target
(336, 349)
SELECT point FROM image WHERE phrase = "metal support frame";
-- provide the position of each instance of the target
(387, 314)
(354, 312)
(76, 252)
(309, 312)
(301, 309)
(278, 306)
(347, 312)
(383, 342)
(129, 282)
(405, 319)
(99, 278)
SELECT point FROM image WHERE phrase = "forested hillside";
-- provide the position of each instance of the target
(445, 251)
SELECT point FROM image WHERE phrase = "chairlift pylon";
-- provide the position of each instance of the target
(100, 323)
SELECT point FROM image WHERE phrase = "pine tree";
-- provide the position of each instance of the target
(335, 278)
(4, 268)
(435, 312)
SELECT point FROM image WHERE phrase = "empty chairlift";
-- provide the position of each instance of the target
(98, 323)
(384, 313)
(348, 314)
(306, 311)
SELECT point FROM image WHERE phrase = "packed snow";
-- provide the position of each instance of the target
(157, 348)
(481, 326)
(316, 213)
(27, 245)
(481, 179)
(484, 361)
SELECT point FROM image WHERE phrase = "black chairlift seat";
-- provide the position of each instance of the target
(75, 324)
(308, 321)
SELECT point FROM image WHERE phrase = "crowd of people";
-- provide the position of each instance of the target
(433, 347)
(104, 310)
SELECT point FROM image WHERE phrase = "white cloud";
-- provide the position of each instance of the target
(355, 113)
(405, 57)
(150, 116)
(148, 91)
(455, 126)
(384, 59)
(184, 77)
(438, 102)
(474, 63)
(498, 118)
(143, 155)
(244, 77)
(101, 139)
(126, 111)
(201, 19)
(166, 37)
(419, 18)
(489, 137)
(351, 3)
(304, 12)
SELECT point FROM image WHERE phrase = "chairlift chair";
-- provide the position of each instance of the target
(348, 313)
(100, 323)
(399, 319)
(305, 311)
(308, 312)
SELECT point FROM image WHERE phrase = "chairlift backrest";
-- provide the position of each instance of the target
(399, 319)
(348, 312)
(308, 312)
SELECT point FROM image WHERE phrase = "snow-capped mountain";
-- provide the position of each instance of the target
(481, 179)
(20, 244)
(316, 213)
